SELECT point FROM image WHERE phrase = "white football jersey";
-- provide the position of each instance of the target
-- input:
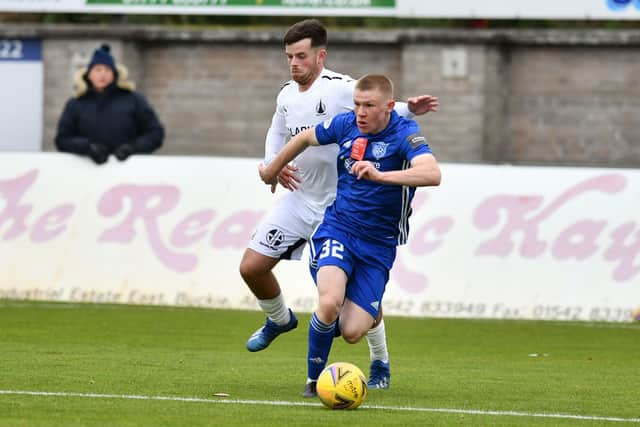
(330, 94)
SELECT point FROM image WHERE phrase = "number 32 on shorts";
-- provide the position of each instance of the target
(332, 248)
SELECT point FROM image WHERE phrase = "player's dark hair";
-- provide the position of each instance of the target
(307, 29)
(376, 82)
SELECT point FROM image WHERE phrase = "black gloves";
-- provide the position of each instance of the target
(123, 152)
(98, 153)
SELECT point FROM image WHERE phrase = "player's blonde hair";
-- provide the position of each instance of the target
(377, 82)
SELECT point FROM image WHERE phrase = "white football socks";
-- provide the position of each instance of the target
(377, 339)
(276, 309)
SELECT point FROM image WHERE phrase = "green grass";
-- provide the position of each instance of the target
(487, 365)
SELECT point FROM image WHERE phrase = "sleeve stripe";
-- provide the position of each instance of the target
(403, 225)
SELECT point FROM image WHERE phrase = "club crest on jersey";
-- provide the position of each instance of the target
(321, 109)
(275, 237)
(379, 149)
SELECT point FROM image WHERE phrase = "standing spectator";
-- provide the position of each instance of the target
(106, 116)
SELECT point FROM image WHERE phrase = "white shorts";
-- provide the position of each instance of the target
(285, 230)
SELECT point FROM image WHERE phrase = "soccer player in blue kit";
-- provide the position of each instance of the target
(313, 94)
(382, 158)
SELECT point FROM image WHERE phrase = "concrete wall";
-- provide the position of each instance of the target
(528, 97)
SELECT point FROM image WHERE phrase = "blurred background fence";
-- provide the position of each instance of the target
(520, 93)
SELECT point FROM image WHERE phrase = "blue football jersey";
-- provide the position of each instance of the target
(379, 212)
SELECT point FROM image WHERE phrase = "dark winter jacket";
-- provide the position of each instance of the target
(115, 117)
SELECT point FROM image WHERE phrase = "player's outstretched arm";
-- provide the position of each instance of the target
(275, 140)
(417, 105)
(297, 144)
(422, 104)
(424, 171)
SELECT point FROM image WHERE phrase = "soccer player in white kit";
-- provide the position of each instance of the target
(313, 95)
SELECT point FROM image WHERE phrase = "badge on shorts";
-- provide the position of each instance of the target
(358, 148)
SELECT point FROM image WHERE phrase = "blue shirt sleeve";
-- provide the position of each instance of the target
(414, 142)
(330, 131)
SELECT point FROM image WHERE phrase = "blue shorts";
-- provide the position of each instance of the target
(366, 264)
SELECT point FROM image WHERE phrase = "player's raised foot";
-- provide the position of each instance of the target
(379, 375)
(310, 389)
(267, 333)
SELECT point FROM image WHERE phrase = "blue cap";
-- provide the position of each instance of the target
(102, 55)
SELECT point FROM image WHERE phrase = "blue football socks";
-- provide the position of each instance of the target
(320, 340)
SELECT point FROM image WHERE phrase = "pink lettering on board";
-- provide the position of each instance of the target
(146, 205)
(429, 237)
(51, 224)
(426, 239)
(489, 213)
(14, 212)
(578, 241)
(191, 229)
(519, 218)
(47, 227)
(624, 248)
(411, 281)
(235, 231)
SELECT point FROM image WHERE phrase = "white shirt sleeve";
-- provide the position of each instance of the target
(402, 108)
(276, 135)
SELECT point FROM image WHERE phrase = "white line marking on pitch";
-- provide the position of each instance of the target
(285, 403)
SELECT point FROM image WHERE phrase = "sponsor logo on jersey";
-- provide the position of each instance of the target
(348, 163)
(295, 131)
(321, 109)
(275, 238)
(415, 140)
(379, 149)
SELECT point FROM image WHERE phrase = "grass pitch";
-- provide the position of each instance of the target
(117, 365)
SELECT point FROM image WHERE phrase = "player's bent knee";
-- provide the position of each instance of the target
(247, 271)
(328, 310)
(352, 335)
(250, 269)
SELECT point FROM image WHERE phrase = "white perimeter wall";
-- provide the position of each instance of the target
(491, 241)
